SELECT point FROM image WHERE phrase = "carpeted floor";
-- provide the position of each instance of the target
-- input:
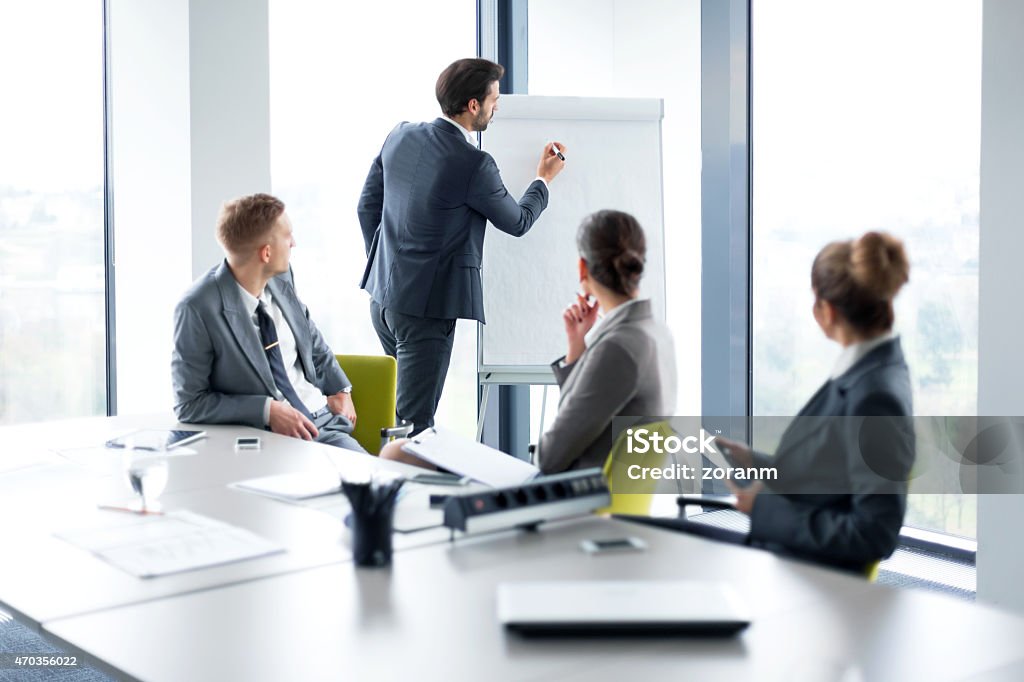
(906, 568)
(909, 581)
(929, 571)
(18, 639)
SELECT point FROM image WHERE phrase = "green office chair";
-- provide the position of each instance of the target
(631, 497)
(374, 383)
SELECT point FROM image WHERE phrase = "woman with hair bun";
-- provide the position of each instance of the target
(625, 365)
(851, 474)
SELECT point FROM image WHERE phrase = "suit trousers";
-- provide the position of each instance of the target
(423, 348)
(336, 430)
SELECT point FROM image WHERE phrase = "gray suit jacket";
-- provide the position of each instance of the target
(868, 459)
(423, 212)
(624, 371)
(219, 369)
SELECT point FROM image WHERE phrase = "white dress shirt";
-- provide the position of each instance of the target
(468, 134)
(854, 352)
(311, 396)
(471, 139)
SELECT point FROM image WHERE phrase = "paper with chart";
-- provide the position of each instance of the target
(161, 544)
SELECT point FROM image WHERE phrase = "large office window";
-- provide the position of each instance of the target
(638, 48)
(52, 326)
(342, 75)
(866, 116)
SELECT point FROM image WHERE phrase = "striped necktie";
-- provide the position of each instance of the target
(272, 347)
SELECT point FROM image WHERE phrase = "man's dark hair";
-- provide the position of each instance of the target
(465, 80)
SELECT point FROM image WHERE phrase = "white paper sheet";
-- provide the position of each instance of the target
(466, 457)
(150, 546)
(292, 487)
(313, 491)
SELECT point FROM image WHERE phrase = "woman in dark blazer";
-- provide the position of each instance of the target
(840, 494)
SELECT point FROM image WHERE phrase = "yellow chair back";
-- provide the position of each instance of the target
(628, 496)
(374, 382)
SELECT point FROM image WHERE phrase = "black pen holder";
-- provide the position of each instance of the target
(372, 520)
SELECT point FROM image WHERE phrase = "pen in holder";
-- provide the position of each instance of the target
(373, 510)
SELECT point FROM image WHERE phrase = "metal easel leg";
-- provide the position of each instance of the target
(484, 398)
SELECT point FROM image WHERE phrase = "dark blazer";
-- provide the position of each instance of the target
(624, 371)
(423, 211)
(856, 468)
(218, 367)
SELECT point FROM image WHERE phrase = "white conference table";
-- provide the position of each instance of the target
(432, 616)
(310, 614)
(43, 577)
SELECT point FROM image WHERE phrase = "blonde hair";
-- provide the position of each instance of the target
(244, 222)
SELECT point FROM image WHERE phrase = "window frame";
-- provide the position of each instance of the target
(727, 255)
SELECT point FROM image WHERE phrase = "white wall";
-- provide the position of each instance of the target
(1000, 329)
(150, 162)
(190, 130)
(230, 113)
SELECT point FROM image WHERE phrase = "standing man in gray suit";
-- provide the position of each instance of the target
(245, 348)
(423, 212)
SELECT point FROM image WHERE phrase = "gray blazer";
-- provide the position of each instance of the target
(869, 460)
(628, 369)
(423, 212)
(219, 369)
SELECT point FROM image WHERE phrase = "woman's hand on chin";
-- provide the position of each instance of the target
(579, 318)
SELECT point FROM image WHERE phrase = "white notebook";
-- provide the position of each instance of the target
(466, 457)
